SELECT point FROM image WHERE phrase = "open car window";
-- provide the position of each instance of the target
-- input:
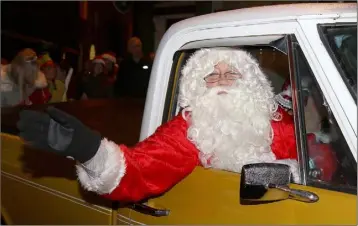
(330, 163)
(335, 158)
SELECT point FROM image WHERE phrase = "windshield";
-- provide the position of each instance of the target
(341, 42)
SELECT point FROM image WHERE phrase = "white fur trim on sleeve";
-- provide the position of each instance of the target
(103, 173)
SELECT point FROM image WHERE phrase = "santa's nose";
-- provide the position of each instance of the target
(225, 82)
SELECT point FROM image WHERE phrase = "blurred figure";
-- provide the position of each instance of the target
(111, 66)
(75, 86)
(151, 56)
(56, 85)
(134, 71)
(110, 61)
(96, 82)
(22, 82)
(66, 71)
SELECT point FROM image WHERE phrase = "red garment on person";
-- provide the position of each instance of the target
(39, 96)
(156, 164)
(323, 156)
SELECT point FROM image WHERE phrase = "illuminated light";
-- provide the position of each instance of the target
(92, 52)
(145, 67)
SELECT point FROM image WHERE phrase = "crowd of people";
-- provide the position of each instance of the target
(32, 78)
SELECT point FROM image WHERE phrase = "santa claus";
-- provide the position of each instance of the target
(229, 118)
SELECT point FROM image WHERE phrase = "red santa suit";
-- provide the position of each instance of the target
(156, 164)
(153, 166)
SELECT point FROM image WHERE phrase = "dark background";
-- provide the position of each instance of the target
(73, 26)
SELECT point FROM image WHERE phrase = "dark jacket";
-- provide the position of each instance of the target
(133, 78)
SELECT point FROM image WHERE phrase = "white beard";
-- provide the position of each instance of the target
(232, 129)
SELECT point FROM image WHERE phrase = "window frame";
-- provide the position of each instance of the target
(299, 117)
(171, 98)
(298, 112)
(321, 27)
(170, 108)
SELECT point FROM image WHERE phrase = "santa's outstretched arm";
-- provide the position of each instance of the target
(148, 169)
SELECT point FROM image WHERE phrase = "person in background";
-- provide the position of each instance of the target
(110, 63)
(56, 86)
(96, 83)
(75, 85)
(152, 56)
(111, 67)
(134, 72)
(22, 83)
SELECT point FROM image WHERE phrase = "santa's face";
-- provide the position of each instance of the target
(223, 75)
(230, 118)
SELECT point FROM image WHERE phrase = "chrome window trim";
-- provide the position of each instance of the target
(298, 113)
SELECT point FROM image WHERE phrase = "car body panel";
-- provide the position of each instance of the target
(46, 184)
(210, 196)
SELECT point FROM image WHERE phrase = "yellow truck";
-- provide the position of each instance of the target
(290, 40)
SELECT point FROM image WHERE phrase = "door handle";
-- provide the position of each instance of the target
(142, 208)
(301, 195)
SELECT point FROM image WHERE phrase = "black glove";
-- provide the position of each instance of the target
(58, 132)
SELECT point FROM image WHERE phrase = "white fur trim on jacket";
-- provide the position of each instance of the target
(103, 173)
(322, 137)
(293, 164)
(283, 102)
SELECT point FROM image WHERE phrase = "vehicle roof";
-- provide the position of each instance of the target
(264, 13)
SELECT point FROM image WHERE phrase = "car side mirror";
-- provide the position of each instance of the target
(269, 182)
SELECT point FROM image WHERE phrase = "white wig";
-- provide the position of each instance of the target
(233, 129)
(202, 63)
